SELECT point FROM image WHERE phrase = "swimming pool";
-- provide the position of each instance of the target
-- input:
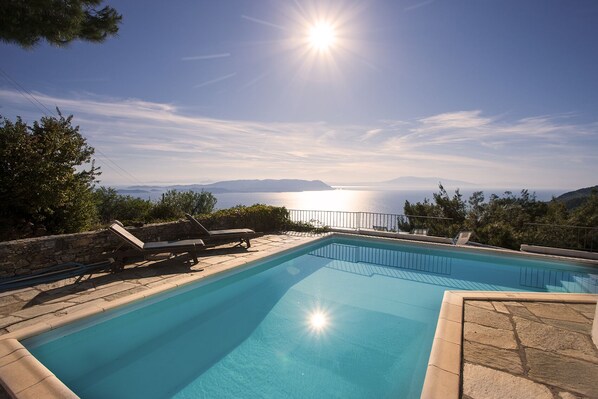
(342, 317)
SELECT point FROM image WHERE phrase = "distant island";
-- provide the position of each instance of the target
(232, 186)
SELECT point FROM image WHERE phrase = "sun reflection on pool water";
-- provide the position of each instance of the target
(318, 320)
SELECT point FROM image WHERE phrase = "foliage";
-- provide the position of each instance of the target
(441, 217)
(59, 22)
(111, 205)
(258, 217)
(508, 220)
(44, 183)
(587, 213)
(174, 204)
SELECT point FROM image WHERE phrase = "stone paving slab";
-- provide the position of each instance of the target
(488, 383)
(500, 338)
(553, 355)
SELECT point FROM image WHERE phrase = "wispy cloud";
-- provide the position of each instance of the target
(212, 81)
(262, 22)
(419, 5)
(205, 57)
(254, 81)
(155, 141)
(371, 133)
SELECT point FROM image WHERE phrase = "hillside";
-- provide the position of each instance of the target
(575, 198)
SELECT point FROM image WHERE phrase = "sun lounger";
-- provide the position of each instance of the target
(462, 238)
(222, 236)
(157, 247)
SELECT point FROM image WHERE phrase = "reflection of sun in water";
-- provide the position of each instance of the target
(321, 36)
(318, 320)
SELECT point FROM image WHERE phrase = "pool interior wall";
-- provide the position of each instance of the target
(252, 333)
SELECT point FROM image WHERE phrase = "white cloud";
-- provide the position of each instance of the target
(157, 142)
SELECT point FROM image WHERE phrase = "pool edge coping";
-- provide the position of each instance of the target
(444, 372)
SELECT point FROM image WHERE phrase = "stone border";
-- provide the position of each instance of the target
(443, 376)
(573, 253)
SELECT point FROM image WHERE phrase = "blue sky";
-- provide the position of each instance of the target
(499, 93)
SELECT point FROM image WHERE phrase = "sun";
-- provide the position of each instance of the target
(321, 36)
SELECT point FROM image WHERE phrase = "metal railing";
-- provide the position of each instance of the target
(364, 220)
(563, 236)
(549, 235)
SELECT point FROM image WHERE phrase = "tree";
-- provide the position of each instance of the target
(586, 215)
(175, 204)
(44, 183)
(445, 216)
(125, 208)
(59, 22)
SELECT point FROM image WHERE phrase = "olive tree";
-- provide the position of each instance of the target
(175, 204)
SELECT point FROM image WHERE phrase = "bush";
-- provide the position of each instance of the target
(174, 204)
(258, 217)
(111, 205)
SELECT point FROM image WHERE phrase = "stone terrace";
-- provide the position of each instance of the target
(528, 350)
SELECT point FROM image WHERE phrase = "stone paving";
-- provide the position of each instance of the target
(528, 350)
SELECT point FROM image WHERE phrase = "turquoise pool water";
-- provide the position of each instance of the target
(345, 318)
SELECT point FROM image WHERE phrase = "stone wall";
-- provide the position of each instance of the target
(26, 256)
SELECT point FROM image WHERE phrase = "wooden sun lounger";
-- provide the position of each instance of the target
(157, 247)
(223, 236)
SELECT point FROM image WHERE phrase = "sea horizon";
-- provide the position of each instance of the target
(343, 198)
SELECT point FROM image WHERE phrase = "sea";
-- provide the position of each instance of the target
(348, 199)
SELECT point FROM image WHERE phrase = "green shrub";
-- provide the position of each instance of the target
(259, 217)
(111, 205)
(174, 204)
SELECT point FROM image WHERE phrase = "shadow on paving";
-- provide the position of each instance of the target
(133, 273)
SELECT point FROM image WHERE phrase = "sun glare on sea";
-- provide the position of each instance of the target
(321, 36)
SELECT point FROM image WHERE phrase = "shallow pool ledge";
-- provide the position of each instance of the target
(444, 377)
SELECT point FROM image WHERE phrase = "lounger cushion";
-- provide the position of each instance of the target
(172, 245)
(244, 233)
(240, 232)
